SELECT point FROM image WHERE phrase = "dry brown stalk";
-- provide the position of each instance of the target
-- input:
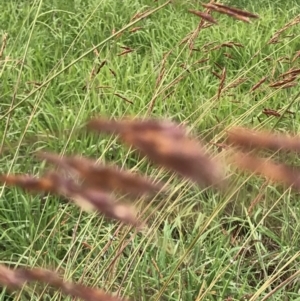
(104, 87)
(114, 31)
(222, 82)
(95, 70)
(257, 85)
(166, 144)
(229, 44)
(195, 33)
(34, 83)
(185, 67)
(15, 279)
(162, 68)
(289, 85)
(166, 88)
(201, 61)
(283, 83)
(157, 268)
(140, 14)
(101, 65)
(123, 97)
(258, 198)
(186, 38)
(264, 167)
(228, 55)
(168, 95)
(174, 82)
(291, 73)
(207, 25)
(297, 55)
(3, 45)
(251, 139)
(87, 198)
(275, 37)
(283, 59)
(207, 17)
(207, 45)
(218, 76)
(107, 178)
(96, 52)
(236, 10)
(271, 112)
(219, 66)
(237, 82)
(125, 51)
(135, 29)
(113, 72)
(231, 11)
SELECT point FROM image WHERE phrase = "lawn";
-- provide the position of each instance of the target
(62, 62)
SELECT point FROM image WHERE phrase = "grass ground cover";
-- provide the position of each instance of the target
(201, 245)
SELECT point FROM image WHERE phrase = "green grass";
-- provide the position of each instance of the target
(200, 245)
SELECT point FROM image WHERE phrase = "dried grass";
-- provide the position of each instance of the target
(167, 145)
(236, 13)
(15, 279)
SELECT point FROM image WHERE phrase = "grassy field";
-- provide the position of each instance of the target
(62, 62)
